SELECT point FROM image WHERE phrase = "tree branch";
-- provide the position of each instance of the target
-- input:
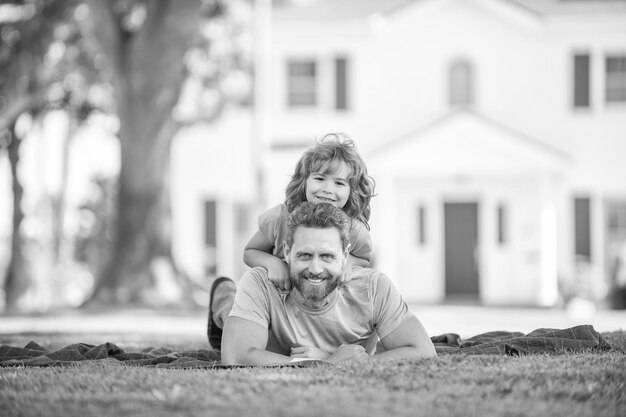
(18, 106)
(107, 30)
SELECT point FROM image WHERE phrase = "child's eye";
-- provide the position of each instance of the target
(341, 183)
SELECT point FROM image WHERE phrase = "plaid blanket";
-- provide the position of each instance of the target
(575, 339)
(34, 354)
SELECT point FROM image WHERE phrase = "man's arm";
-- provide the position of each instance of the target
(410, 340)
(244, 343)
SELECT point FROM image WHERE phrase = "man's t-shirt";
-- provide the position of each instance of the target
(364, 308)
(273, 227)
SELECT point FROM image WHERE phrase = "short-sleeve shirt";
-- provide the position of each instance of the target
(360, 311)
(273, 227)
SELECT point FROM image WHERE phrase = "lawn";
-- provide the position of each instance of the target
(582, 384)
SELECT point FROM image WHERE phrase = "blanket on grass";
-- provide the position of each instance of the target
(541, 341)
(551, 341)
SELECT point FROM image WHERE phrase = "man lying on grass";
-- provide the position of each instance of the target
(319, 318)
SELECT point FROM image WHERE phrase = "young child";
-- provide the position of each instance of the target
(330, 171)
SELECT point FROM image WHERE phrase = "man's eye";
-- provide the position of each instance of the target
(304, 256)
(328, 258)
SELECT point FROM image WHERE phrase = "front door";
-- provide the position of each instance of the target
(461, 250)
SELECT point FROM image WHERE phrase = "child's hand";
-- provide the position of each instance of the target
(346, 274)
(351, 262)
(278, 273)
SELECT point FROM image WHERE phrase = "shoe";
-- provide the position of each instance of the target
(213, 332)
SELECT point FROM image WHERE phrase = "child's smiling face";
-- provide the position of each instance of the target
(330, 187)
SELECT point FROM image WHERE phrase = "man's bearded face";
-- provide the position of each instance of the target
(316, 261)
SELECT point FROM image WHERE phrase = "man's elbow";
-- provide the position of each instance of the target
(246, 256)
(426, 350)
(238, 357)
(428, 353)
(419, 351)
(228, 358)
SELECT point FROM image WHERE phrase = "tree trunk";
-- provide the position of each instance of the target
(18, 278)
(148, 72)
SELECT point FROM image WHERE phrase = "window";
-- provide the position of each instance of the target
(421, 225)
(502, 224)
(319, 83)
(301, 83)
(582, 228)
(615, 87)
(341, 87)
(582, 85)
(617, 219)
(461, 88)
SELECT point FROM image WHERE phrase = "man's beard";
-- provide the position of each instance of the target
(314, 292)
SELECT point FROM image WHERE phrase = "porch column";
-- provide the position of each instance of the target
(548, 291)
(384, 228)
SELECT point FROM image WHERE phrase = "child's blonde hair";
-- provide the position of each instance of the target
(324, 157)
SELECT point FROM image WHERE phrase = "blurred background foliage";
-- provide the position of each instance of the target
(138, 70)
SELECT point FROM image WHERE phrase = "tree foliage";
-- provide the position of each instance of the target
(44, 64)
(134, 59)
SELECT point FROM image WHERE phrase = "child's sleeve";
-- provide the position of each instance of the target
(360, 241)
(269, 224)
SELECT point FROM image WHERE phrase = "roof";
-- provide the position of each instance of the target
(337, 9)
(467, 141)
(572, 7)
(362, 9)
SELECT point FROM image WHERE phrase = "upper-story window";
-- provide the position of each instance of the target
(302, 83)
(461, 84)
(322, 83)
(615, 87)
(581, 81)
(341, 83)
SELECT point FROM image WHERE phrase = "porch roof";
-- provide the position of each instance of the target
(466, 143)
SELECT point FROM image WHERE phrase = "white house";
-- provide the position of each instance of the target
(495, 130)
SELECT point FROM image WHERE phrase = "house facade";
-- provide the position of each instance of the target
(495, 131)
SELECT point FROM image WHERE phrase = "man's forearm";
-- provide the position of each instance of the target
(244, 342)
(253, 356)
(405, 353)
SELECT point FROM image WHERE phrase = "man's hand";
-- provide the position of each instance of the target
(349, 353)
(309, 352)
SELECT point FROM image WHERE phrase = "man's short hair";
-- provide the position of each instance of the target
(319, 216)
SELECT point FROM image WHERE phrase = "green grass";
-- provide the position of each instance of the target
(584, 384)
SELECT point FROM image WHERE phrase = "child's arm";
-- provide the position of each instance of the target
(259, 253)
